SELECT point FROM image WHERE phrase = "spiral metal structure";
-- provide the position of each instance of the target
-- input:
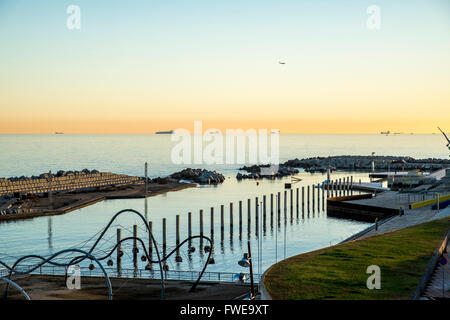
(89, 255)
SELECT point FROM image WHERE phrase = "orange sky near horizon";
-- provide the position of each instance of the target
(313, 126)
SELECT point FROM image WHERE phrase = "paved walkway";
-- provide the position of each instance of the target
(390, 199)
(410, 218)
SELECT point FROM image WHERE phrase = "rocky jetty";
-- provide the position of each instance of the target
(255, 172)
(200, 176)
(347, 162)
(60, 173)
(365, 163)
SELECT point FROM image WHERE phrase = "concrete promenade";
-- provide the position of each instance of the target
(410, 218)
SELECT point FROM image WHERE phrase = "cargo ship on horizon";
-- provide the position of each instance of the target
(164, 132)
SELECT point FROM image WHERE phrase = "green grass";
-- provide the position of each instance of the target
(339, 272)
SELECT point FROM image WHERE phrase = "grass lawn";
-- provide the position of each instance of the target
(339, 272)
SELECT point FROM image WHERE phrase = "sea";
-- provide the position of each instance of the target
(297, 232)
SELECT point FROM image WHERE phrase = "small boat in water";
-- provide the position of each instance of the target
(164, 132)
(59, 132)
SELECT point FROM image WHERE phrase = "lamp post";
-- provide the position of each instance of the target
(246, 262)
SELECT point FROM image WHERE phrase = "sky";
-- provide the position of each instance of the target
(143, 66)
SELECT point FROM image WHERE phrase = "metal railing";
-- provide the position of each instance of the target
(3, 272)
(409, 198)
(226, 277)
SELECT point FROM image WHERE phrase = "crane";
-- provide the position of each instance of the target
(448, 140)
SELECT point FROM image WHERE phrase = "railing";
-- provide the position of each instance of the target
(226, 277)
(417, 200)
(3, 272)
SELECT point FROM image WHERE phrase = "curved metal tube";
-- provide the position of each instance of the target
(156, 261)
(87, 254)
(152, 238)
(17, 287)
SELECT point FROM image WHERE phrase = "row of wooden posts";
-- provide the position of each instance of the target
(339, 187)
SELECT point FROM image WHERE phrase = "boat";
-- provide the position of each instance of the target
(164, 132)
(385, 132)
(59, 132)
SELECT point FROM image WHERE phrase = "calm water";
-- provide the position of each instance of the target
(35, 154)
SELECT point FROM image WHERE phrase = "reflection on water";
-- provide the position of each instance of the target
(284, 229)
(50, 246)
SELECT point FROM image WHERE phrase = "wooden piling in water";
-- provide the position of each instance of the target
(303, 200)
(264, 212)
(50, 188)
(328, 188)
(119, 250)
(256, 215)
(177, 230)
(164, 237)
(318, 197)
(201, 222)
(248, 215)
(150, 242)
(323, 196)
(313, 196)
(292, 202)
(264, 208)
(278, 210)
(279, 204)
(308, 198)
(177, 233)
(189, 224)
(271, 209)
(222, 218)
(211, 220)
(135, 253)
(240, 220)
(231, 216)
(333, 186)
(351, 185)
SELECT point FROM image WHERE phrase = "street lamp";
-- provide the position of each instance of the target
(246, 262)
